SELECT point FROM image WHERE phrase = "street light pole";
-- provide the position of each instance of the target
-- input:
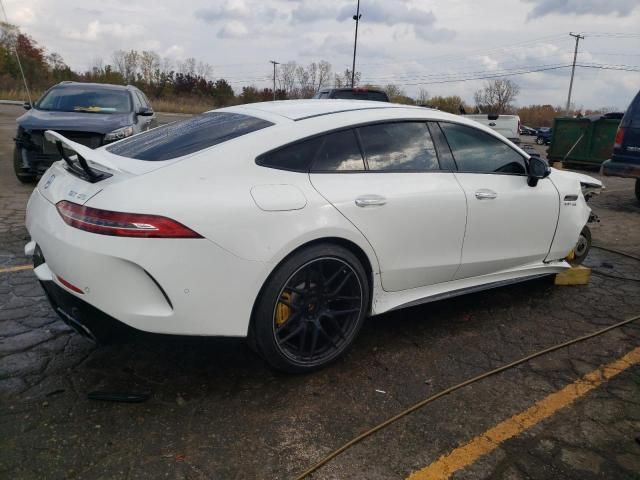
(356, 17)
(578, 37)
(274, 77)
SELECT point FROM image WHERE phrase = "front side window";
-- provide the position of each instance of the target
(401, 146)
(476, 151)
(187, 136)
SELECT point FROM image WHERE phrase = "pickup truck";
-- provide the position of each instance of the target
(506, 125)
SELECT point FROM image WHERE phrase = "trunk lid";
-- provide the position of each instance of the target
(69, 180)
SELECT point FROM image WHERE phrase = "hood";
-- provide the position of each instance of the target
(585, 180)
(36, 119)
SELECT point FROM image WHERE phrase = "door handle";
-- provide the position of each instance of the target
(486, 194)
(371, 201)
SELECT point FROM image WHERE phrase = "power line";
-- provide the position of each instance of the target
(443, 75)
(500, 75)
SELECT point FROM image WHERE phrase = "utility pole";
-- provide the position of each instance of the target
(274, 77)
(15, 50)
(578, 37)
(356, 17)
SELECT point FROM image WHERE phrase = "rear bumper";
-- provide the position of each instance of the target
(171, 286)
(83, 317)
(611, 168)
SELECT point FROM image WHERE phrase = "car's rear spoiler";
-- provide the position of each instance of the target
(81, 168)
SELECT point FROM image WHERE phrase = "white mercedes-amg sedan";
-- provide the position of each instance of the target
(291, 222)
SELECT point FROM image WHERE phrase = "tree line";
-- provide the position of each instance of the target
(194, 81)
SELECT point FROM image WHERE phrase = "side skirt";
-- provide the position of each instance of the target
(389, 301)
(466, 290)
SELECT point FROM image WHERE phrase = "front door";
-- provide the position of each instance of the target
(509, 223)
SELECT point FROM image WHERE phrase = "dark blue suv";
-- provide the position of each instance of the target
(92, 114)
(625, 160)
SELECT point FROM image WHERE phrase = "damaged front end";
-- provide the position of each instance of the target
(33, 155)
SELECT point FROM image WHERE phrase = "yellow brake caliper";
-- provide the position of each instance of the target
(283, 311)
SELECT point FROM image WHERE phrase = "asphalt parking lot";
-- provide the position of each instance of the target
(216, 411)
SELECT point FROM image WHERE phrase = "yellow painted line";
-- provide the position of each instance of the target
(17, 268)
(485, 443)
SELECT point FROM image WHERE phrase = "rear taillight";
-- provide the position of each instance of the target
(617, 143)
(122, 224)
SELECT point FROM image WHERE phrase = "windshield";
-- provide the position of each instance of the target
(85, 99)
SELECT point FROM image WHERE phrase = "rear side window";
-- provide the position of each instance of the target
(399, 146)
(296, 157)
(339, 152)
(187, 136)
(478, 152)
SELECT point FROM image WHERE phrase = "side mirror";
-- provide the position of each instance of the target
(144, 112)
(26, 106)
(538, 169)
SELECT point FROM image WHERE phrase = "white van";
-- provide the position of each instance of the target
(506, 125)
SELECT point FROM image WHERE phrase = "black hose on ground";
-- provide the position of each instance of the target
(449, 390)
(618, 252)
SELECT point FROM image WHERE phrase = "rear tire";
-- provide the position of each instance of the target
(638, 189)
(24, 175)
(311, 308)
(540, 141)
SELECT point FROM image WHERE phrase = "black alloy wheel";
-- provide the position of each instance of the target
(311, 308)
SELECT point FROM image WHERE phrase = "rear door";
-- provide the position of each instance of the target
(410, 210)
(509, 223)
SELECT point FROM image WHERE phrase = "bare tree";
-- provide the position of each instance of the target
(204, 70)
(423, 97)
(344, 79)
(323, 75)
(149, 63)
(126, 63)
(166, 65)
(188, 66)
(55, 61)
(306, 78)
(394, 92)
(286, 78)
(497, 96)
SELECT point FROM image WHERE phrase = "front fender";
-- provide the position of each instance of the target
(574, 211)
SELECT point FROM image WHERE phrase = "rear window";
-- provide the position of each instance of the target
(378, 96)
(360, 95)
(187, 136)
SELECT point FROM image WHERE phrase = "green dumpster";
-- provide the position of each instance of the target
(585, 141)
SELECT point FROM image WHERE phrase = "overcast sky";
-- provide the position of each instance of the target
(412, 43)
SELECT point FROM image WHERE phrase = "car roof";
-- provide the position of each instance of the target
(97, 86)
(297, 110)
